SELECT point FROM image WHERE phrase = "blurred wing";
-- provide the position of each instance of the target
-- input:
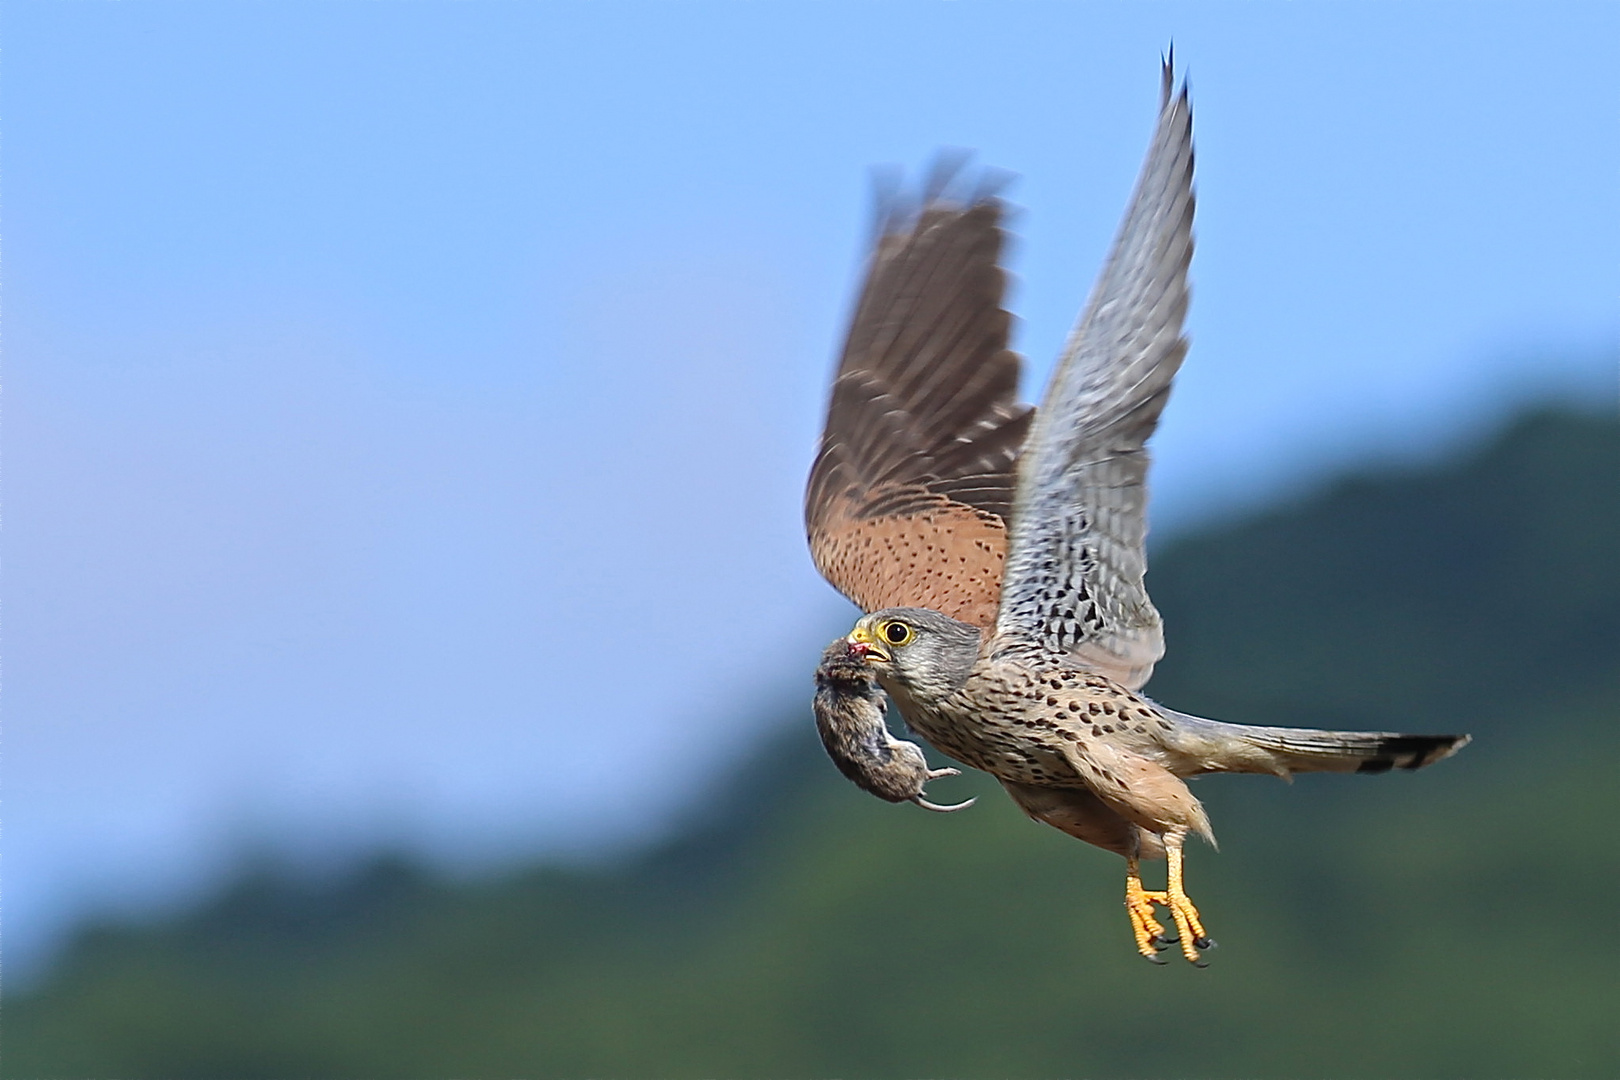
(908, 495)
(1073, 582)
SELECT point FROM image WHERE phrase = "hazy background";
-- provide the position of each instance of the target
(407, 405)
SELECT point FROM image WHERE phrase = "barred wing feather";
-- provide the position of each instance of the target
(908, 494)
(1073, 582)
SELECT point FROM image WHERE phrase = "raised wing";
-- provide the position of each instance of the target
(1073, 582)
(908, 495)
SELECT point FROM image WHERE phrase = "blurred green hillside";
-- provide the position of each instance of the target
(1451, 923)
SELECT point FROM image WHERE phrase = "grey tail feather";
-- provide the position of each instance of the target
(1307, 750)
(1247, 748)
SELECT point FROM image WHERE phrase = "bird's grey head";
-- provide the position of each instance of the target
(916, 652)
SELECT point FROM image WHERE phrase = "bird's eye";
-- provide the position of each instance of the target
(897, 633)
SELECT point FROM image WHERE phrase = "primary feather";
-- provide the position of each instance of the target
(1076, 557)
(914, 477)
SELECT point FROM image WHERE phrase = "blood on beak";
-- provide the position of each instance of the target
(865, 646)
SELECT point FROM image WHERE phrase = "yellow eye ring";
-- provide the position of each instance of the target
(896, 633)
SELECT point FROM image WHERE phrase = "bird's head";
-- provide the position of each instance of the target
(916, 652)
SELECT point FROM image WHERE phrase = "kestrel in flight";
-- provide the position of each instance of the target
(1000, 550)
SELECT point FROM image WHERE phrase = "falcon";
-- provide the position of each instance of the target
(999, 550)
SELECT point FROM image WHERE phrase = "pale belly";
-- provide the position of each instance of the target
(991, 741)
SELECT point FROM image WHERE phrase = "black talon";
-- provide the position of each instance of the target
(1152, 958)
(1204, 943)
(1200, 963)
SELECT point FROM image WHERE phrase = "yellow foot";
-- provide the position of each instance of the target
(1147, 930)
(1188, 926)
(1191, 929)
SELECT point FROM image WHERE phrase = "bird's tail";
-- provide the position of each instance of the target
(1281, 751)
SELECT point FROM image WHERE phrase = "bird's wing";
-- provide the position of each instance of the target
(1076, 559)
(908, 495)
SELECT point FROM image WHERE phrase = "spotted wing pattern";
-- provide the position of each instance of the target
(1073, 583)
(909, 493)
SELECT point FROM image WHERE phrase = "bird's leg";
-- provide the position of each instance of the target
(1181, 908)
(1147, 930)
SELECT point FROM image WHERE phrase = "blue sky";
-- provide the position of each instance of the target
(407, 404)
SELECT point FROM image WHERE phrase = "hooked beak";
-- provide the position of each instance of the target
(864, 645)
